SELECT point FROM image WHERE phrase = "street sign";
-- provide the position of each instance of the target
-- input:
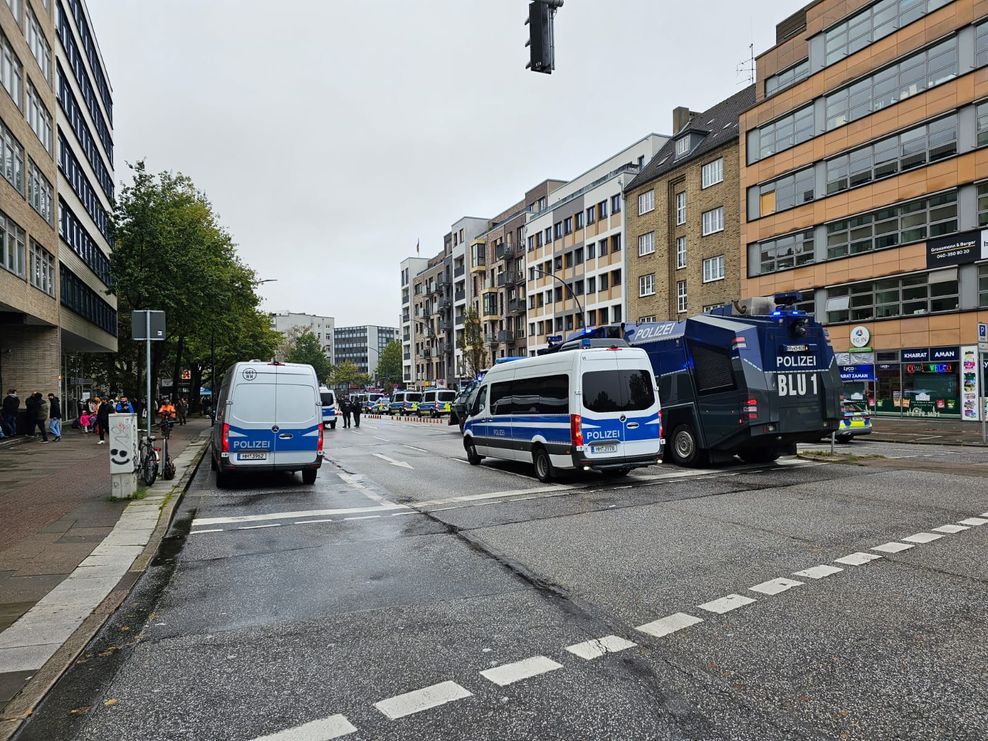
(982, 336)
(139, 325)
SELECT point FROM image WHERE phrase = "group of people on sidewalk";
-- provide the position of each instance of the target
(350, 409)
(44, 415)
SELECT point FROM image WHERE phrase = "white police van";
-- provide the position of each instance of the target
(269, 418)
(327, 397)
(593, 407)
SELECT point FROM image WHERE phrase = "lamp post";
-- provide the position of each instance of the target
(540, 271)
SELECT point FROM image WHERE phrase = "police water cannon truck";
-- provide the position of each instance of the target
(751, 379)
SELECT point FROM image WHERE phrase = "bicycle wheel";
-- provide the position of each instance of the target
(168, 468)
(149, 468)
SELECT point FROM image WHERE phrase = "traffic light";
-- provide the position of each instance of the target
(540, 38)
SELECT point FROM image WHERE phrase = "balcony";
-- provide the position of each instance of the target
(460, 294)
(479, 264)
(490, 340)
(519, 334)
(516, 277)
(427, 353)
(459, 271)
(505, 335)
(502, 280)
(516, 306)
(501, 251)
(444, 305)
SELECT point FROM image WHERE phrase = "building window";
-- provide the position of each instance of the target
(786, 253)
(602, 209)
(38, 117)
(11, 159)
(680, 209)
(591, 285)
(557, 230)
(11, 71)
(784, 133)
(983, 284)
(646, 285)
(644, 319)
(713, 269)
(913, 148)
(682, 146)
(84, 301)
(911, 295)
(713, 220)
(603, 281)
(579, 219)
(42, 269)
(712, 173)
(646, 244)
(646, 202)
(12, 239)
(75, 117)
(983, 204)
(38, 44)
(787, 77)
(982, 117)
(681, 304)
(15, 8)
(911, 76)
(874, 23)
(902, 223)
(680, 253)
(781, 194)
(591, 250)
(568, 225)
(76, 176)
(616, 204)
(981, 45)
(39, 192)
(616, 242)
(616, 313)
(591, 215)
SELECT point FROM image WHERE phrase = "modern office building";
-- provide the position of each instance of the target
(362, 345)
(682, 217)
(575, 263)
(56, 158)
(287, 322)
(865, 186)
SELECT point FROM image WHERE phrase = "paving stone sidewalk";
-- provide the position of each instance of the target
(55, 509)
(925, 430)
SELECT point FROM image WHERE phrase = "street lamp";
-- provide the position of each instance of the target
(583, 318)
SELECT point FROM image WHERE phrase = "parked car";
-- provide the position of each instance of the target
(855, 421)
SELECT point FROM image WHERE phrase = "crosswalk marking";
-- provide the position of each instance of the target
(726, 604)
(597, 647)
(418, 700)
(672, 623)
(775, 586)
(818, 572)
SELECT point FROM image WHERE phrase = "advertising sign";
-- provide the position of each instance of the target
(969, 383)
(917, 355)
(857, 373)
(860, 337)
(958, 249)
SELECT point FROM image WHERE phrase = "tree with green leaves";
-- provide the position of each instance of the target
(389, 366)
(304, 347)
(348, 375)
(472, 342)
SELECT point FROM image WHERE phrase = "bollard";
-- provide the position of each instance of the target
(123, 455)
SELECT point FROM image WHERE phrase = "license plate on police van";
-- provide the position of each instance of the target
(252, 456)
(604, 448)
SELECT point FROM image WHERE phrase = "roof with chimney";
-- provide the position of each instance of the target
(708, 130)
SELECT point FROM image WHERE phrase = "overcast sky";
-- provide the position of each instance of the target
(331, 136)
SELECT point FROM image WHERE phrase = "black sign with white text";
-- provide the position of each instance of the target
(957, 249)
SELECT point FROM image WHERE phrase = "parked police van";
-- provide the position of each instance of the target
(436, 402)
(404, 402)
(269, 418)
(327, 398)
(593, 407)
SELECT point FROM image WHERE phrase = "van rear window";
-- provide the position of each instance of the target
(447, 395)
(296, 404)
(253, 402)
(618, 390)
(327, 399)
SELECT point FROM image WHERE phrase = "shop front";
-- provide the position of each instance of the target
(920, 382)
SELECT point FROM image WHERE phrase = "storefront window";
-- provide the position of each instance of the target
(930, 389)
(888, 395)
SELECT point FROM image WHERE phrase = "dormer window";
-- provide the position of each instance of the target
(682, 145)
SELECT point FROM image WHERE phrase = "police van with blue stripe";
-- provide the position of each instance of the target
(269, 418)
(593, 405)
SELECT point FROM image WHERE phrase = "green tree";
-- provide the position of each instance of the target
(389, 367)
(305, 348)
(347, 374)
(472, 342)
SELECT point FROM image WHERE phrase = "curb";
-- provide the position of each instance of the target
(24, 702)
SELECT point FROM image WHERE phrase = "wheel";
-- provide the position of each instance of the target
(332, 425)
(759, 455)
(543, 465)
(685, 448)
(617, 473)
(168, 470)
(149, 469)
(462, 424)
(309, 476)
(472, 455)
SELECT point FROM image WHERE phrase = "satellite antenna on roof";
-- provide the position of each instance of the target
(746, 67)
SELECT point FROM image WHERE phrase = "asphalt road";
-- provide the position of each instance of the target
(409, 595)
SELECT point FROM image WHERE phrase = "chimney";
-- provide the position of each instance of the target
(680, 117)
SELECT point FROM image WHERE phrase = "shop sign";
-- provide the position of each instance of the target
(969, 384)
(860, 336)
(918, 355)
(857, 373)
(958, 249)
(913, 368)
(945, 354)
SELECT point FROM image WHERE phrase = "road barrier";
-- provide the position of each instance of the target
(413, 420)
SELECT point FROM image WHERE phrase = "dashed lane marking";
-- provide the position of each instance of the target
(363, 517)
(412, 447)
(211, 530)
(922, 538)
(418, 700)
(950, 529)
(726, 604)
(384, 439)
(334, 726)
(892, 547)
(236, 519)
(775, 586)
(307, 522)
(818, 572)
(857, 559)
(519, 670)
(974, 521)
(599, 646)
(258, 527)
(664, 626)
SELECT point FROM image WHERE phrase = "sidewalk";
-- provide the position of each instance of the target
(56, 511)
(925, 430)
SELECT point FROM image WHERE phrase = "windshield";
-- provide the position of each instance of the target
(618, 390)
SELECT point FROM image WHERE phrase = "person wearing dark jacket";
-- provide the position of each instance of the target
(11, 405)
(103, 419)
(37, 414)
(55, 417)
(345, 411)
(355, 409)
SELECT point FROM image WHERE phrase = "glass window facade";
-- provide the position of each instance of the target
(11, 71)
(74, 234)
(787, 77)
(12, 246)
(11, 159)
(911, 295)
(40, 193)
(781, 194)
(786, 253)
(42, 269)
(873, 23)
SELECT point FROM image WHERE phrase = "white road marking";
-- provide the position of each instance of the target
(258, 527)
(922, 537)
(202, 521)
(950, 529)
(496, 494)
(359, 485)
(418, 700)
(818, 572)
(599, 646)
(378, 437)
(363, 517)
(984, 514)
(857, 559)
(974, 521)
(212, 530)
(775, 586)
(334, 726)
(312, 522)
(665, 626)
(392, 461)
(892, 547)
(412, 447)
(519, 670)
(399, 514)
(726, 604)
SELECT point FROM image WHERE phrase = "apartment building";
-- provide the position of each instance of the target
(575, 264)
(410, 267)
(682, 217)
(322, 327)
(56, 159)
(362, 345)
(863, 173)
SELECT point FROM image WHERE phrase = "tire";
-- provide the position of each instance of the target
(168, 469)
(332, 425)
(759, 455)
(309, 476)
(472, 455)
(149, 471)
(543, 465)
(684, 447)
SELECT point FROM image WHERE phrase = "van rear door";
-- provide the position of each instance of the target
(604, 398)
(251, 417)
(298, 420)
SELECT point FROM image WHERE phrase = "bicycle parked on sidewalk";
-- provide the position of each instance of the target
(146, 463)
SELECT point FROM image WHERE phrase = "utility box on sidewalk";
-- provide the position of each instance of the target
(123, 455)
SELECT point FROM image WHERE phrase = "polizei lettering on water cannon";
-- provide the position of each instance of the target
(795, 361)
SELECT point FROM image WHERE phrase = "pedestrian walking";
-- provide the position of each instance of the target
(37, 414)
(182, 410)
(55, 417)
(345, 409)
(356, 414)
(103, 419)
(11, 405)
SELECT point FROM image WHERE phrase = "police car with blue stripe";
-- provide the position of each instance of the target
(593, 405)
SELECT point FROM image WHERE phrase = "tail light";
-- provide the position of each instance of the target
(319, 444)
(226, 438)
(749, 411)
(576, 430)
(660, 424)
